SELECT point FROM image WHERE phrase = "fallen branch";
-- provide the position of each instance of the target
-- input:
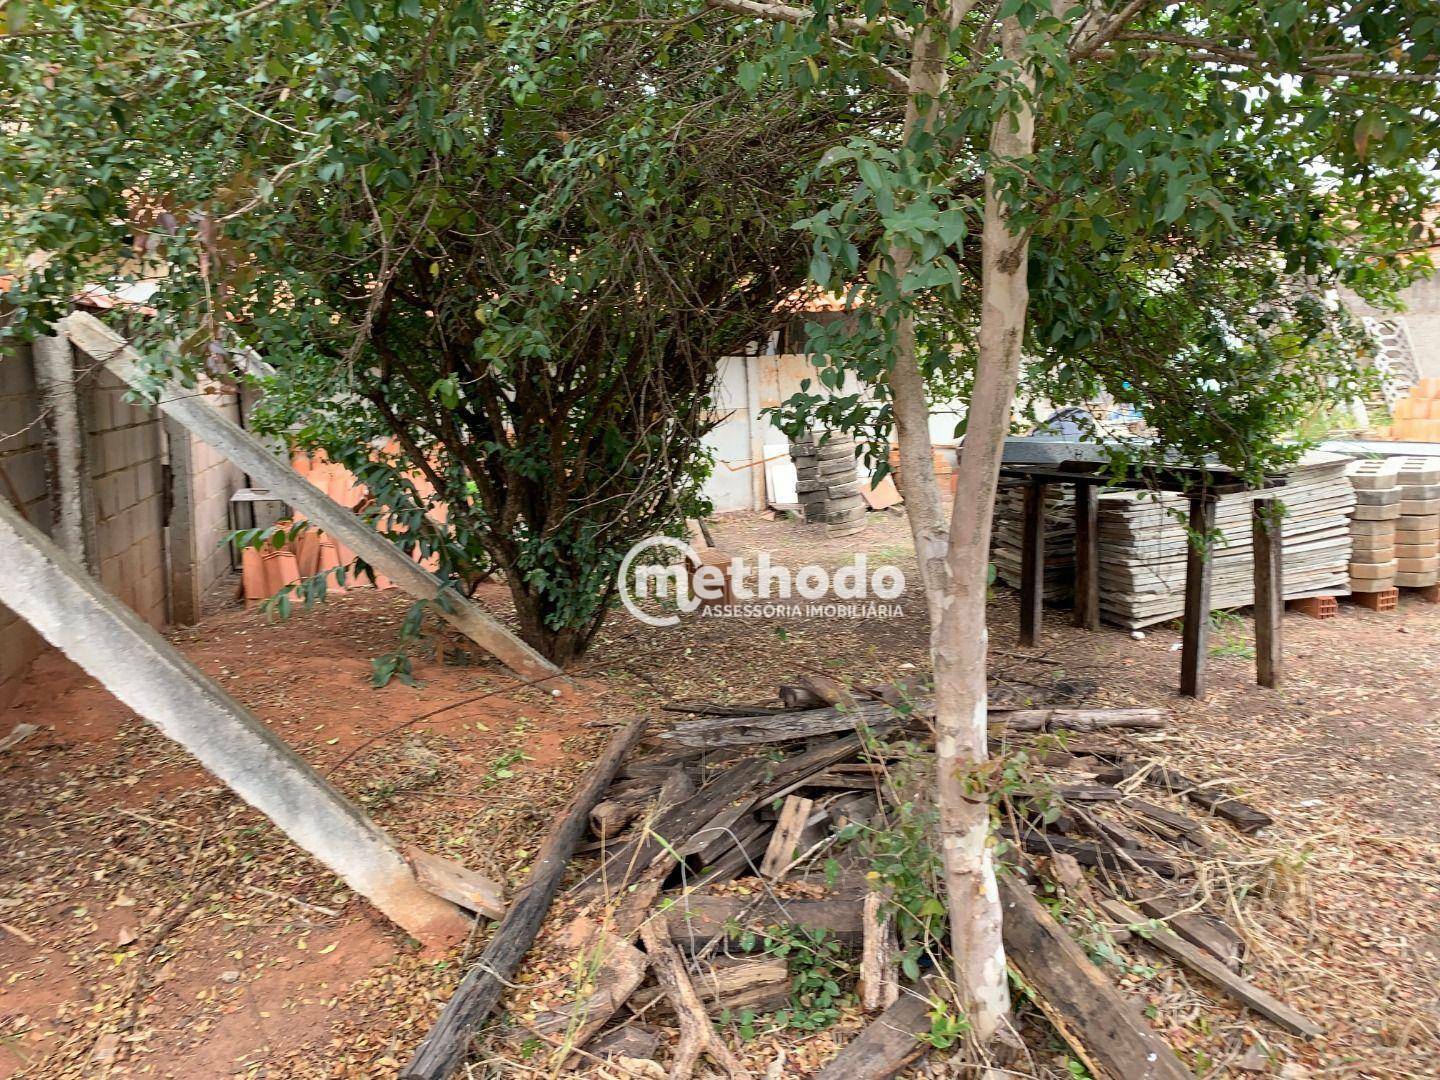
(444, 1048)
(697, 1035)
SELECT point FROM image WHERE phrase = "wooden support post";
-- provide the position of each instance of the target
(189, 408)
(1087, 556)
(1269, 591)
(52, 591)
(1032, 565)
(1195, 644)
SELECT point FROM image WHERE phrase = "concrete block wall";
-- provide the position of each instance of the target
(213, 481)
(126, 451)
(23, 482)
(127, 474)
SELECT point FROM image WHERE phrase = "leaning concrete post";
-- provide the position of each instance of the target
(53, 593)
(96, 339)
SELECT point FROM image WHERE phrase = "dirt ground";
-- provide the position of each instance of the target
(152, 925)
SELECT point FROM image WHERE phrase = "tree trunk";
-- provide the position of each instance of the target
(907, 382)
(959, 642)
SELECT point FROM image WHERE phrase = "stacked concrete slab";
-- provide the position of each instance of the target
(1059, 539)
(1372, 528)
(1144, 543)
(1417, 526)
(827, 482)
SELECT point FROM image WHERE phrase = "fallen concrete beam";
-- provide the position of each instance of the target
(51, 591)
(97, 340)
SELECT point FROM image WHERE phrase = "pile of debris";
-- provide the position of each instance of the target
(745, 837)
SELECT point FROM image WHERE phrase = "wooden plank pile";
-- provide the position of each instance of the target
(826, 480)
(1059, 539)
(731, 833)
(1143, 544)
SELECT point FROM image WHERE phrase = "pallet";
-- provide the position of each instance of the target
(1317, 607)
(1385, 600)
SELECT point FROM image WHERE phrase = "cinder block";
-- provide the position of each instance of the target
(1373, 555)
(1417, 581)
(1417, 551)
(1379, 497)
(1373, 473)
(1419, 507)
(1418, 523)
(1361, 527)
(1377, 513)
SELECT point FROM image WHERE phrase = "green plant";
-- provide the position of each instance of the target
(821, 970)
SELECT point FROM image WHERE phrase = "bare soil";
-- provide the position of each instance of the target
(152, 925)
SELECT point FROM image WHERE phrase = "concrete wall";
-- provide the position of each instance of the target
(127, 474)
(22, 481)
(128, 451)
(212, 481)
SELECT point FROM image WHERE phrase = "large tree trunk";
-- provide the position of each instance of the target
(959, 642)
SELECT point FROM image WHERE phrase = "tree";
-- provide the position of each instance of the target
(509, 240)
(1195, 176)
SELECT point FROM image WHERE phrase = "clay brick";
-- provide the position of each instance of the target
(1317, 607)
(1385, 600)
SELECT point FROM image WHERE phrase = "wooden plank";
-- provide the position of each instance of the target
(879, 962)
(479, 992)
(1202, 963)
(1114, 1034)
(1202, 931)
(461, 886)
(1195, 642)
(785, 840)
(1087, 720)
(1032, 565)
(1269, 592)
(1087, 557)
(613, 969)
(886, 1045)
(697, 919)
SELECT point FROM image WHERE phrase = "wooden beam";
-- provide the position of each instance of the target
(1269, 592)
(187, 407)
(1032, 565)
(444, 1048)
(1195, 642)
(1081, 1000)
(1087, 557)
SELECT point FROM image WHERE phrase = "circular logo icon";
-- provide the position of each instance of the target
(653, 577)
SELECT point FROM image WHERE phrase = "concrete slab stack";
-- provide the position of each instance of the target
(1417, 528)
(1372, 532)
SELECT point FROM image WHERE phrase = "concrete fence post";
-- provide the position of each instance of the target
(51, 590)
(74, 513)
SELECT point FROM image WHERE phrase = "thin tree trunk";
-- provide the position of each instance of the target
(907, 383)
(960, 640)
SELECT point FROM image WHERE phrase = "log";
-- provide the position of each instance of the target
(1084, 720)
(1092, 1011)
(479, 992)
(1236, 811)
(1038, 843)
(697, 1035)
(1203, 931)
(749, 984)
(1202, 963)
(886, 1045)
(618, 969)
(744, 858)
